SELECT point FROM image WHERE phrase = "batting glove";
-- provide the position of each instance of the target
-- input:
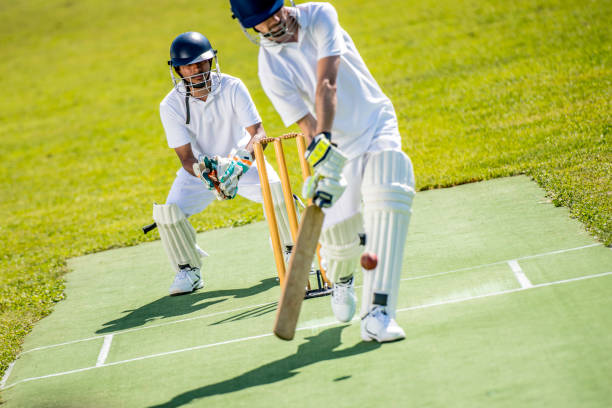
(324, 191)
(327, 184)
(324, 157)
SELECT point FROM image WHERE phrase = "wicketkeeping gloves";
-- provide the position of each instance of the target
(221, 174)
(206, 170)
(232, 169)
(327, 184)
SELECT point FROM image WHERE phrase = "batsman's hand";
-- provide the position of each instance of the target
(327, 183)
(206, 170)
(324, 157)
(324, 191)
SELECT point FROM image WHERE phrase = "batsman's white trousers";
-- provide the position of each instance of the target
(191, 195)
(349, 202)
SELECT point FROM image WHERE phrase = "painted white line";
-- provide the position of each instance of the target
(522, 279)
(259, 336)
(6, 375)
(469, 268)
(148, 327)
(504, 292)
(560, 251)
(80, 370)
(270, 303)
(108, 339)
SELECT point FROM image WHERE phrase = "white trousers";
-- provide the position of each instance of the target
(349, 202)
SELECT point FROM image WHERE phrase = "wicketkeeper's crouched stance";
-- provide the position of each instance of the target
(312, 72)
(211, 122)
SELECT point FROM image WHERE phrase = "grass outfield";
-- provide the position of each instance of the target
(483, 89)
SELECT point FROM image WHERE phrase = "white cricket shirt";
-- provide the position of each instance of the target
(217, 125)
(288, 74)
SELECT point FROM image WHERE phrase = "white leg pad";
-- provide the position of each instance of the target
(177, 236)
(387, 190)
(341, 247)
(280, 211)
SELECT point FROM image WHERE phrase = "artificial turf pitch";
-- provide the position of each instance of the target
(505, 301)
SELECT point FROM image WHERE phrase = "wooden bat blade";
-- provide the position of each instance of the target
(294, 287)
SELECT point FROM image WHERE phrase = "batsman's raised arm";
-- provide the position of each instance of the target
(325, 100)
(325, 97)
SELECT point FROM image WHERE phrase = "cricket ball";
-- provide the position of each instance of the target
(369, 260)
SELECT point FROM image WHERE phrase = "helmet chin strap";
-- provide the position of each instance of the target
(189, 86)
(188, 118)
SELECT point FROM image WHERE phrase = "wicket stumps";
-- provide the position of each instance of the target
(323, 284)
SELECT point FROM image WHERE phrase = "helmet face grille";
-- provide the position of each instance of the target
(199, 85)
(284, 33)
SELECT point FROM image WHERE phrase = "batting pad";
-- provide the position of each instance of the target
(387, 190)
(280, 210)
(341, 247)
(177, 236)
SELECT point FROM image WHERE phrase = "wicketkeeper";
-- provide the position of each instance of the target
(211, 122)
(312, 72)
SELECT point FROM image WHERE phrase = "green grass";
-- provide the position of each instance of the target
(483, 89)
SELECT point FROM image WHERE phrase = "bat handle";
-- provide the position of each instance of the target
(149, 227)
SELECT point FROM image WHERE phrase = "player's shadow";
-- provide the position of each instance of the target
(317, 348)
(171, 306)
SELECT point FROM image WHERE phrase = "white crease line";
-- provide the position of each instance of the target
(560, 251)
(108, 339)
(270, 303)
(148, 327)
(80, 370)
(6, 374)
(204, 346)
(504, 292)
(469, 268)
(522, 279)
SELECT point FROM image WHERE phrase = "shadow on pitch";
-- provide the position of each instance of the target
(171, 306)
(317, 348)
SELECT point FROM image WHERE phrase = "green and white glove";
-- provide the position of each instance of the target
(231, 169)
(206, 170)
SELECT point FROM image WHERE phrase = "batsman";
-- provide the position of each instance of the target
(211, 122)
(314, 76)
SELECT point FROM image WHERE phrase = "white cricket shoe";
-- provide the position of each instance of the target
(377, 325)
(344, 301)
(187, 280)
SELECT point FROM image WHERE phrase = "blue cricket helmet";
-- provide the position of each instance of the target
(252, 12)
(189, 48)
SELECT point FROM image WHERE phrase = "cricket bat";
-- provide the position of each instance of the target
(296, 279)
